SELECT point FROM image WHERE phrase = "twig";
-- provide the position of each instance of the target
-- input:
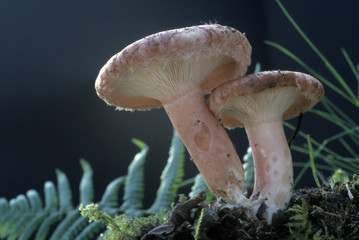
(296, 131)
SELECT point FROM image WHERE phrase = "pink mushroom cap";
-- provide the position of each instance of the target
(159, 67)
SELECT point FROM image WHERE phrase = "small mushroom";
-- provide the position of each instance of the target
(260, 102)
(173, 69)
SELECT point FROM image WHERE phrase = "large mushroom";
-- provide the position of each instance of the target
(174, 69)
(260, 102)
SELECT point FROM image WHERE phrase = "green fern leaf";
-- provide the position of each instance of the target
(28, 216)
(171, 176)
(19, 207)
(200, 186)
(7, 216)
(141, 145)
(110, 197)
(248, 166)
(4, 207)
(86, 184)
(64, 191)
(23, 217)
(134, 187)
(30, 219)
(90, 231)
(45, 226)
(64, 225)
(30, 228)
(21, 225)
(78, 225)
(35, 200)
(51, 201)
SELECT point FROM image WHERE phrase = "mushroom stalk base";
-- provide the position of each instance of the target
(272, 164)
(209, 146)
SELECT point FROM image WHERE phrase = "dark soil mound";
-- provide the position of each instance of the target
(330, 212)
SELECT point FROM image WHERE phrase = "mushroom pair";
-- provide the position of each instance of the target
(174, 69)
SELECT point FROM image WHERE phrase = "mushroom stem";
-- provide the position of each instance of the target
(272, 159)
(209, 146)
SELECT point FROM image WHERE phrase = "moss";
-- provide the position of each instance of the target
(120, 227)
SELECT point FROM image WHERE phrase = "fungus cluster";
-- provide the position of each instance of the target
(174, 69)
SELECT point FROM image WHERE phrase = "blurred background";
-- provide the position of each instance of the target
(51, 52)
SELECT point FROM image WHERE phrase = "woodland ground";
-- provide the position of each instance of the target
(329, 212)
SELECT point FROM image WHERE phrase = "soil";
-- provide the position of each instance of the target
(329, 212)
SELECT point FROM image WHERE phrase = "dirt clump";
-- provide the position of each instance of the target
(329, 212)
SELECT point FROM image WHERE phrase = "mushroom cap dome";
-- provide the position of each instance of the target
(152, 70)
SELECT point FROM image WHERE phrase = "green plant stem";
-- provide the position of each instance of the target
(312, 162)
(186, 182)
(196, 235)
(322, 145)
(352, 67)
(349, 164)
(332, 108)
(348, 148)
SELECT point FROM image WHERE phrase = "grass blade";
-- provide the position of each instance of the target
(312, 162)
(310, 70)
(329, 66)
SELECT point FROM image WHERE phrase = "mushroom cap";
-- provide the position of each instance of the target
(152, 70)
(266, 94)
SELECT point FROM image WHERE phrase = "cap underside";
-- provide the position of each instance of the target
(265, 96)
(157, 68)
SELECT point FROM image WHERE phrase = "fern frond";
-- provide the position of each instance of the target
(64, 225)
(86, 184)
(19, 205)
(171, 176)
(64, 191)
(4, 207)
(45, 226)
(90, 231)
(248, 167)
(200, 186)
(28, 216)
(35, 200)
(110, 197)
(32, 226)
(78, 225)
(134, 187)
(51, 201)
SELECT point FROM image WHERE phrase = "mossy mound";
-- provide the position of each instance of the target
(329, 212)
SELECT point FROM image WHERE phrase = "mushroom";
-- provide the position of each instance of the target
(173, 69)
(260, 102)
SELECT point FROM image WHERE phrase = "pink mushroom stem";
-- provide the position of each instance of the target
(208, 144)
(272, 162)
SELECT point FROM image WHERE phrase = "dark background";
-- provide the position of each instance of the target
(51, 52)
